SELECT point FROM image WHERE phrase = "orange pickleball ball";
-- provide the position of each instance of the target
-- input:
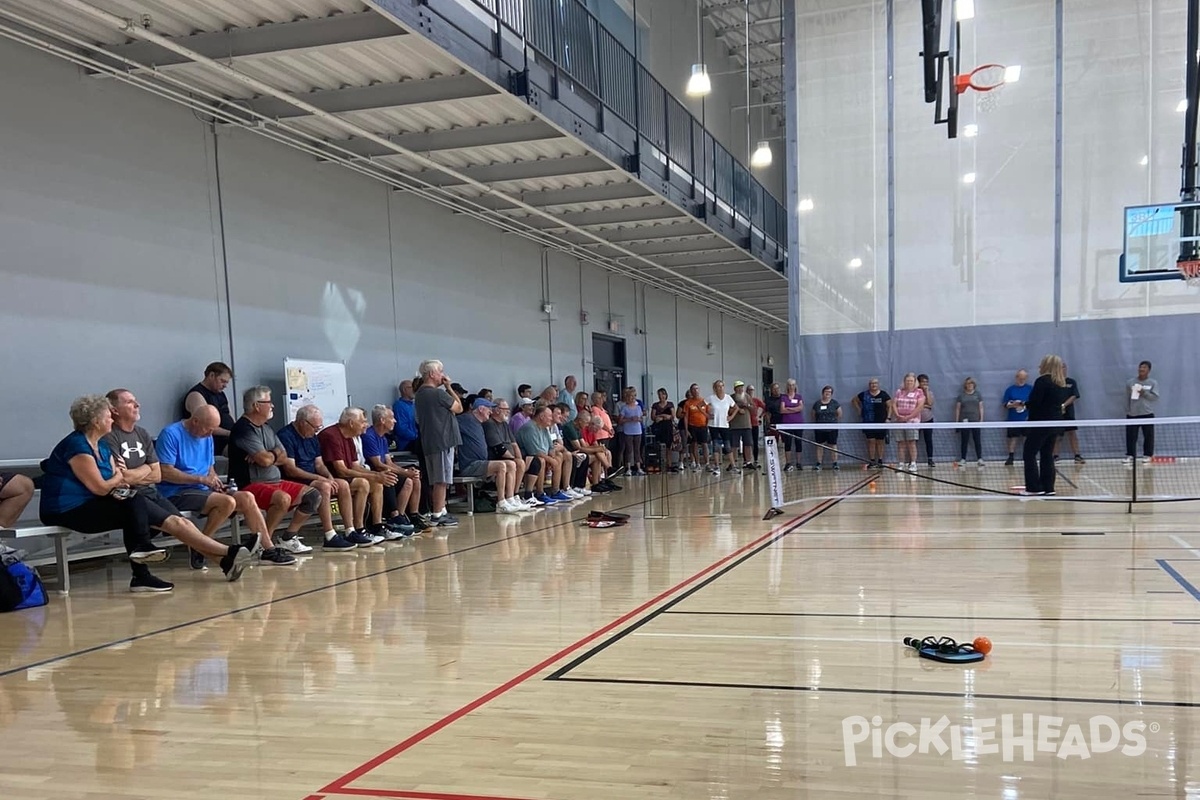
(982, 644)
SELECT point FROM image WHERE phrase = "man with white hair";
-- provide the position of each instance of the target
(437, 405)
(474, 460)
(566, 396)
(339, 451)
(256, 459)
(305, 465)
(401, 502)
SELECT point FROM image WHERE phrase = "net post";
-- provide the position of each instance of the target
(1133, 493)
(774, 478)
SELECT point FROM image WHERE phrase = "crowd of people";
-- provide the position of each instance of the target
(561, 446)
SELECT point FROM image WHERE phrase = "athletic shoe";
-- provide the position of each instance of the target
(1127, 462)
(338, 543)
(836, 468)
(600, 488)
(400, 524)
(378, 532)
(912, 466)
(532, 500)
(419, 523)
(235, 562)
(562, 496)
(1026, 493)
(613, 486)
(1079, 459)
(586, 492)
(390, 534)
(359, 538)
(196, 559)
(147, 583)
(294, 545)
(816, 467)
(931, 463)
(1049, 494)
(446, 520)
(1147, 459)
(543, 500)
(276, 557)
(789, 468)
(507, 506)
(153, 555)
(1009, 461)
(979, 463)
(618, 472)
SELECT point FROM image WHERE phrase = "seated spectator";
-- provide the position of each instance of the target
(606, 434)
(186, 476)
(549, 395)
(84, 489)
(535, 442)
(211, 392)
(580, 461)
(521, 418)
(401, 502)
(583, 402)
(437, 405)
(256, 459)
(589, 427)
(499, 437)
(339, 452)
(474, 460)
(305, 465)
(405, 434)
(15, 493)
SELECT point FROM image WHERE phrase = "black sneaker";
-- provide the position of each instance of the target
(337, 543)
(235, 562)
(446, 520)
(418, 522)
(1009, 461)
(836, 468)
(358, 537)
(196, 559)
(276, 558)
(147, 584)
(619, 471)
(1079, 459)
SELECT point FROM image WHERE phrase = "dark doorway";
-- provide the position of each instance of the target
(608, 367)
(768, 379)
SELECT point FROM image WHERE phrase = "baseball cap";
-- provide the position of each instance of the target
(482, 402)
(736, 384)
(525, 401)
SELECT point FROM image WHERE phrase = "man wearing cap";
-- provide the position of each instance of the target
(473, 461)
(521, 418)
(739, 426)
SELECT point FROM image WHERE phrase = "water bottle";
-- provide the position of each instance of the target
(231, 486)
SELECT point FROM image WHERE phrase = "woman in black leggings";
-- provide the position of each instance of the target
(84, 489)
(1045, 404)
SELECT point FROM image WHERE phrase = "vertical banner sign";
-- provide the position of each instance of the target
(775, 477)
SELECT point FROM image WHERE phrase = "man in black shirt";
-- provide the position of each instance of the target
(1071, 432)
(211, 392)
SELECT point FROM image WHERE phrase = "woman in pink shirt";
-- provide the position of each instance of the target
(791, 412)
(907, 403)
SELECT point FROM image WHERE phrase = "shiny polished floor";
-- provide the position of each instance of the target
(709, 654)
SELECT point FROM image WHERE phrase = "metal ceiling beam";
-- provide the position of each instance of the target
(652, 233)
(562, 197)
(684, 247)
(266, 40)
(609, 216)
(381, 95)
(674, 260)
(518, 171)
(456, 139)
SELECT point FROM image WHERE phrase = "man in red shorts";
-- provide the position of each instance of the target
(255, 458)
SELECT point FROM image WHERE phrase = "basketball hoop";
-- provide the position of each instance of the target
(988, 80)
(1190, 272)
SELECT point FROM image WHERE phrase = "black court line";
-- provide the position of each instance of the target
(928, 616)
(597, 649)
(888, 692)
(572, 521)
(1082, 533)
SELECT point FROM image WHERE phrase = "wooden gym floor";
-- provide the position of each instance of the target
(706, 655)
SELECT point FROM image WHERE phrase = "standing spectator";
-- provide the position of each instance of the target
(1071, 432)
(926, 416)
(693, 411)
(1046, 401)
(720, 410)
(1014, 401)
(872, 407)
(791, 412)
(772, 402)
(968, 407)
(1141, 396)
(607, 433)
(758, 416)
(739, 426)
(906, 408)
(437, 406)
(662, 425)
(566, 395)
(405, 433)
(826, 411)
(630, 415)
(211, 392)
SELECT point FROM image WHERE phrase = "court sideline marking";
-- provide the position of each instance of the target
(4, 673)
(709, 573)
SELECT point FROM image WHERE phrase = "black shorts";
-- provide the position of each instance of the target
(193, 500)
(826, 437)
(739, 437)
(5, 477)
(876, 435)
(698, 435)
(1072, 428)
(1016, 433)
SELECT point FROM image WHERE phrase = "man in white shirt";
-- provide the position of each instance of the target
(721, 409)
(1141, 396)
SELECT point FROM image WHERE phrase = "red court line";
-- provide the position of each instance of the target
(339, 785)
(413, 795)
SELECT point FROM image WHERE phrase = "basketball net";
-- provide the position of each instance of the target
(1190, 270)
(987, 81)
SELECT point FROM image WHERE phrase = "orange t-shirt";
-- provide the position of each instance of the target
(696, 411)
(602, 434)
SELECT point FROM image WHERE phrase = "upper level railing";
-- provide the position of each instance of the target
(576, 43)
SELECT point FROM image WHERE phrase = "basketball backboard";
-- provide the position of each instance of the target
(1153, 239)
(941, 64)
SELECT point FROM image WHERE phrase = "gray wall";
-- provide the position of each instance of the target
(115, 273)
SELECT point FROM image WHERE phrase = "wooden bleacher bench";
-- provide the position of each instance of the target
(62, 557)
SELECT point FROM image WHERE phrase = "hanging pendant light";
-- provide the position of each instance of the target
(762, 156)
(699, 84)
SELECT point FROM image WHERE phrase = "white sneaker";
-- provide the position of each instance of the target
(293, 545)
(1146, 459)
(532, 502)
(912, 466)
(507, 507)
(1128, 461)
(586, 492)
(716, 472)
(979, 463)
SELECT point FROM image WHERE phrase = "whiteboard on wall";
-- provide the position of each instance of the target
(321, 383)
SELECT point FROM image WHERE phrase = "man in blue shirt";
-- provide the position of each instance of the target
(401, 501)
(405, 433)
(1014, 400)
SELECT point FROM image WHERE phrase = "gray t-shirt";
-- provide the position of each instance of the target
(136, 449)
(534, 440)
(969, 411)
(436, 424)
(248, 439)
(497, 432)
(742, 418)
(1144, 403)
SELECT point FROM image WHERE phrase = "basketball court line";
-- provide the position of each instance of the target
(1182, 581)
(891, 641)
(574, 521)
(407, 795)
(884, 692)
(927, 616)
(1185, 546)
(704, 576)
